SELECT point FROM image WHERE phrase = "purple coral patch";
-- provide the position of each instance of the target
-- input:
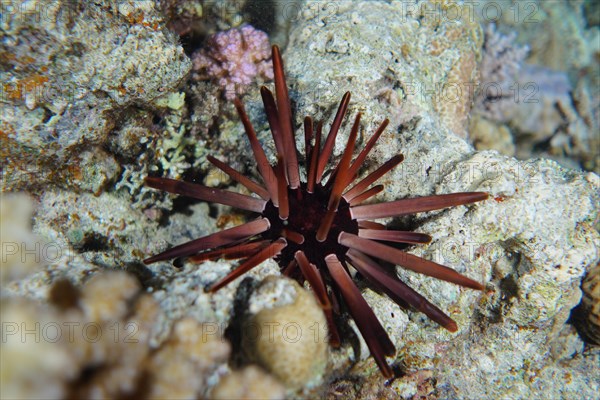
(234, 58)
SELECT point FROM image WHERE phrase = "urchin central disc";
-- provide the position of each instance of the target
(307, 211)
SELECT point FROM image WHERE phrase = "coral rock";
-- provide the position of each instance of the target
(288, 335)
(95, 342)
(249, 383)
(187, 354)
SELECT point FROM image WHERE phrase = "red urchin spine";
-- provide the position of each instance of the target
(314, 230)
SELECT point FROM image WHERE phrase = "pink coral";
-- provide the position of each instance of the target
(234, 58)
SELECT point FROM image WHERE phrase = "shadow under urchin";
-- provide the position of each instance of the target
(316, 229)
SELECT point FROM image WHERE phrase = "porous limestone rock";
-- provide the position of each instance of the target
(71, 71)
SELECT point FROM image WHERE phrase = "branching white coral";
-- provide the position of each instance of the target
(170, 146)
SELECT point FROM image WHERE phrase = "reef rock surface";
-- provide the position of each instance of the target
(530, 243)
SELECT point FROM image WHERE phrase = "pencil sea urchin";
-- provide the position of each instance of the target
(314, 229)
